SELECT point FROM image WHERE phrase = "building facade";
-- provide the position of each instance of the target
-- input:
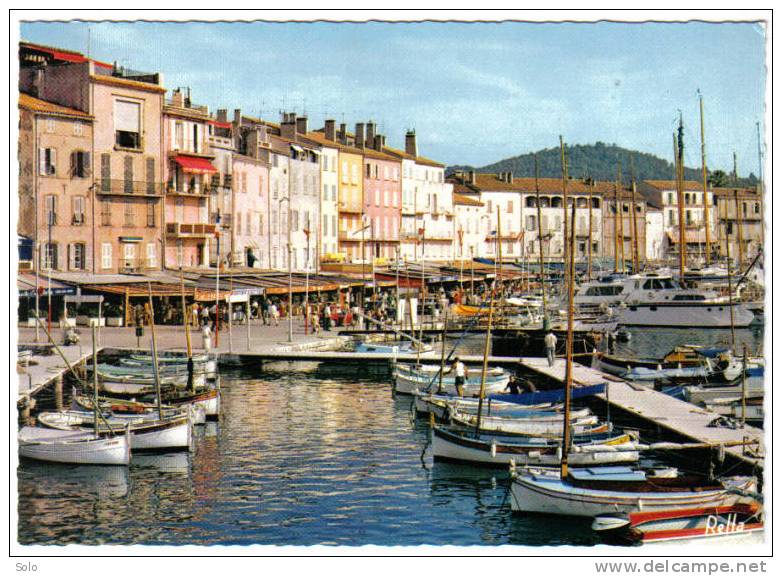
(740, 224)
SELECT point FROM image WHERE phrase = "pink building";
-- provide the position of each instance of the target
(187, 171)
(382, 204)
(251, 209)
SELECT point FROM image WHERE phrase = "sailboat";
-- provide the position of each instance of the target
(594, 491)
(74, 446)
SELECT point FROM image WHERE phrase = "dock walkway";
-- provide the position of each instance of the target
(657, 408)
(45, 369)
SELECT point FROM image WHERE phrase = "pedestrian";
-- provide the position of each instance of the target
(315, 320)
(265, 310)
(460, 373)
(206, 332)
(550, 342)
(204, 315)
(255, 309)
(274, 313)
(513, 385)
(327, 318)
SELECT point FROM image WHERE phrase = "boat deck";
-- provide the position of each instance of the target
(657, 408)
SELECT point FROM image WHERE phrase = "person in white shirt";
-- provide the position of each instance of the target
(460, 373)
(551, 344)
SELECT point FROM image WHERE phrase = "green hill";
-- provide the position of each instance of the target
(597, 161)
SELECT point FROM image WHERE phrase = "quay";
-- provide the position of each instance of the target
(664, 411)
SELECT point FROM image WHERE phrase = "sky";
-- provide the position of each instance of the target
(475, 93)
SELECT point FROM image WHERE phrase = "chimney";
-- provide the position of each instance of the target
(178, 99)
(411, 147)
(359, 134)
(501, 176)
(288, 125)
(330, 130)
(222, 115)
(238, 116)
(510, 177)
(472, 176)
(380, 141)
(301, 125)
(343, 134)
(370, 134)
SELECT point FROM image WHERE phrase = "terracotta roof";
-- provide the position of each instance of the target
(492, 183)
(125, 83)
(744, 192)
(320, 137)
(466, 200)
(377, 155)
(63, 54)
(671, 184)
(417, 159)
(37, 105)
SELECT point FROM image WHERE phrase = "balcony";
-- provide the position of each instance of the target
(351, 236)
(183, 104)
(129, 265)
(225, 219)
(350, 207)
(128, 188)
(199, 192)
(179, 230)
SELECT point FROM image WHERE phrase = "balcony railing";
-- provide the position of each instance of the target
(136, 264)
(351, 236)
(351, 207)
(225, 219)
(187, 106)
(180, 191)
(190, 230)
(129, 187)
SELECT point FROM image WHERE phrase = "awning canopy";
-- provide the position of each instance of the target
(25, 283)
(195, 165)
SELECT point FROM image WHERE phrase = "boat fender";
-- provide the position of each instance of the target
(512, 467)
(559, 453)
(609, 522)
(493, 448)
(534, 455)
(721, 453)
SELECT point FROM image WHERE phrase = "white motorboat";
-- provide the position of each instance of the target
(73, 446)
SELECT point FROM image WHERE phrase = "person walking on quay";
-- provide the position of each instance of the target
(255, 309)
(274, 313)
(315, 320)
(327, 318)
(460, 373)
(265, 310)
(206, 332)
(204, 315)
(550, 341)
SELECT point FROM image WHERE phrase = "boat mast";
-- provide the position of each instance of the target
(540, 241)
(616, 225)
(190, 384)
(679, 154)
(569, 359)
(730, 281)
(620, 214)
(95, 405)
(589, 244)
(563, 162)
(155, 368)
(760, 186)
(633, 208)
(706, 216)
(739, 235)
(487, 342)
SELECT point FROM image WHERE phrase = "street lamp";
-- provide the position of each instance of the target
(290, 266)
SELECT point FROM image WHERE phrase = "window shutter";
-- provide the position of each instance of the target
(128, 175)
(105, 172)
(42, 161)
(53, 161)
(71, 257)
(150, 175)
(74, 164)
(126, 116)
(86, 163)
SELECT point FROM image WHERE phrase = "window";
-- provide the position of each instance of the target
(50, 206)
(195, 138)
(179, 136)
(530, 223)
(105, 213)
(275, 224)
(127, 124)
(325, 225)
(105, 172)
(509, 209)
(757, 207)
(295, 220)
(744, 208)
(129, 254)
(369, 170)
(128, 175)
(78, 210)
(130, 213)
(80, 164)
(77, 256)
(151, 255)
(260, 224)
(50, 125)
(105, 255)
(78, 129)
(47, 161)
(151, 214)
(248, 224)
(50, 256)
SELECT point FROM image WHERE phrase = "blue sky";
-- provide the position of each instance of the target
(474, 92)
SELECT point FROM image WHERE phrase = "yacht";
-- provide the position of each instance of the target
(659, 300)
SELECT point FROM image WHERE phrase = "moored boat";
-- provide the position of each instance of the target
(73, 446)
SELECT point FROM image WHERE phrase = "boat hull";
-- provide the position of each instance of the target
(685, 315)
(80, 448)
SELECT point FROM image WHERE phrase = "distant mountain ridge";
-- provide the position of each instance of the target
(597, 161)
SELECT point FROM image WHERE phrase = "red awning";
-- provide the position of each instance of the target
(220, 124)
(195, 165)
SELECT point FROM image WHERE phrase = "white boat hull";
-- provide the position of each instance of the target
(523, 426)
(530, 493)
(409, 385)
(685, 315)
(67, 447)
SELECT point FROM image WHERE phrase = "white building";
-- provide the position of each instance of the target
(655, 234)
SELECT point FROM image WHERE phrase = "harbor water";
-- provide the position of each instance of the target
(303, 454)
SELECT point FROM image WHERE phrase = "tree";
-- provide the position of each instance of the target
(718, 179)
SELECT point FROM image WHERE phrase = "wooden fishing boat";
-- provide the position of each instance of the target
(120, 407)
(438, 404)
(408, 379)
(174, 433)
(594, 491)
(173, 358)
(543, 426)
(740, 523)
(491, 450)
(391, 348)
(73, 446)
(683, 364)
